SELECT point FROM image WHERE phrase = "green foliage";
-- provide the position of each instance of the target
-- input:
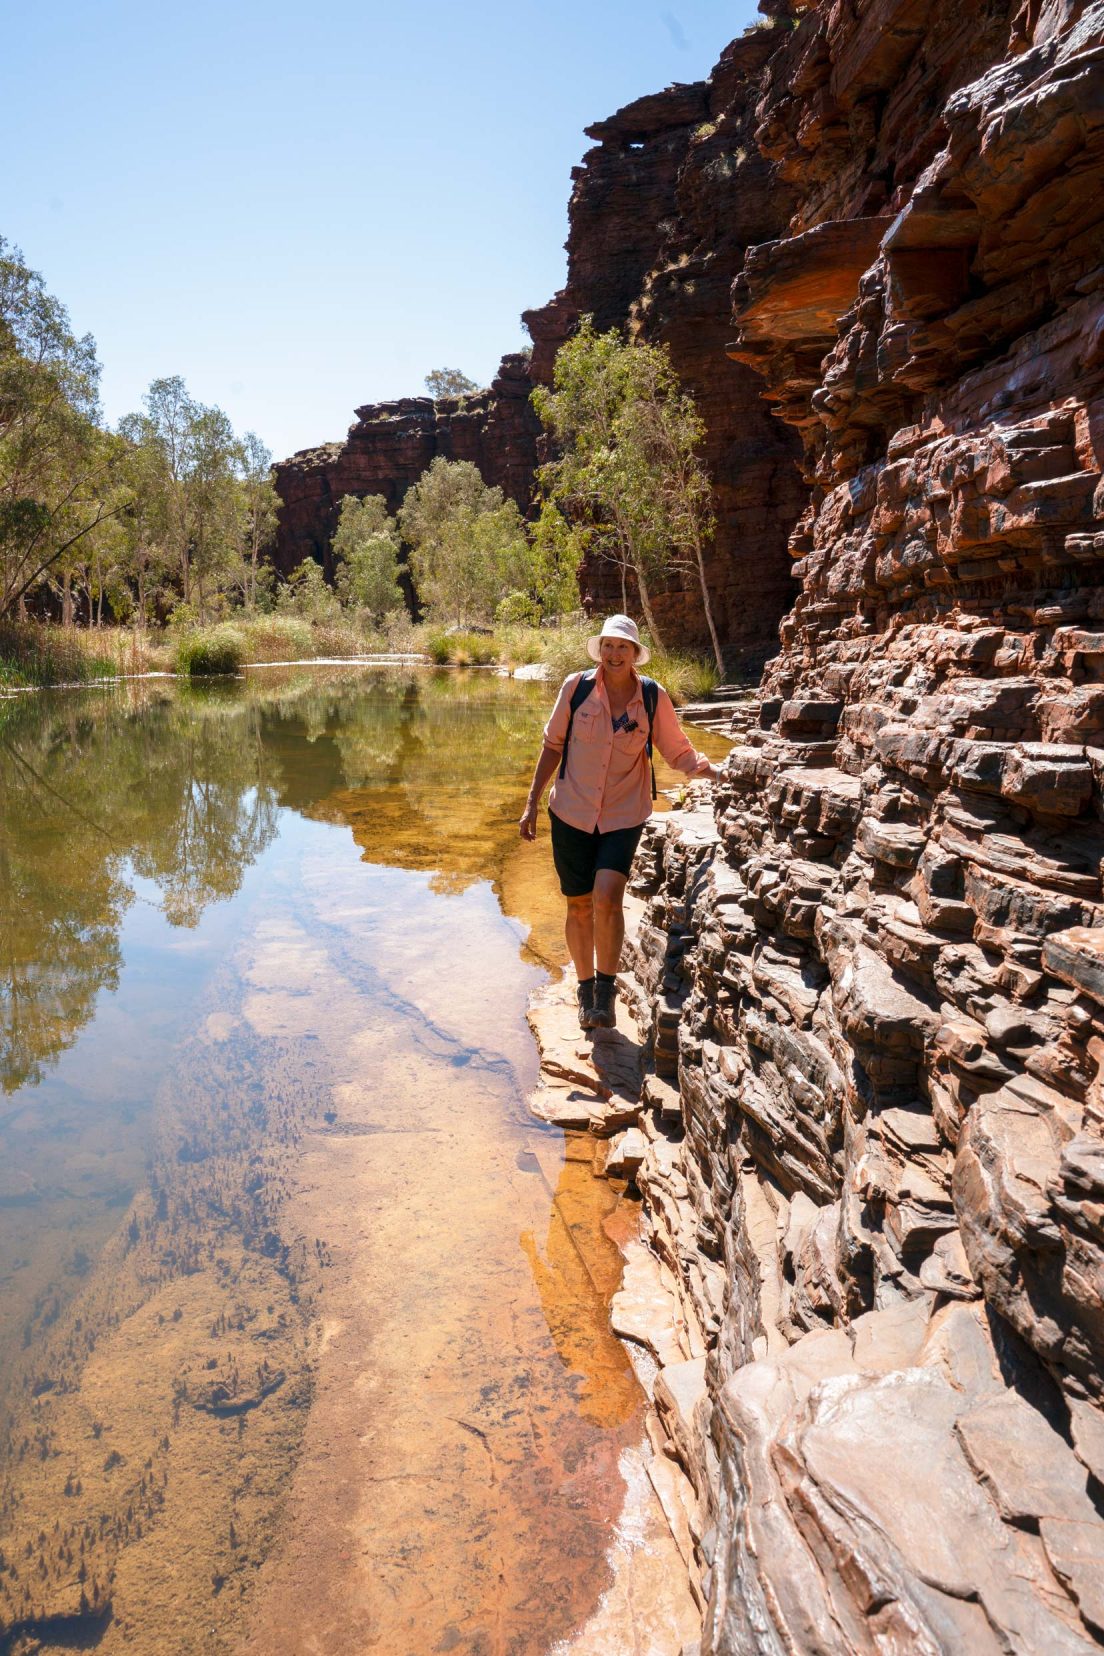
(277, 638)
(559, 547)
(517, 609)
(186, 478)
(518, 646)
(468, 546)
(468, 649)
(117, 524)
(564, 649)
(449, 382)
(37, 655)
(685, 677)
(306, 594)
(629, 478)
(366, 553)
(438, 647)
(57, 466)
(206, 653)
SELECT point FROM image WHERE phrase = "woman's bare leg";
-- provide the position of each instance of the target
(579, 932)
(609, 919)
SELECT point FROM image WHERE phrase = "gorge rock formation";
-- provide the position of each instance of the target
(390, 447)
(873, 976)
(662, 211)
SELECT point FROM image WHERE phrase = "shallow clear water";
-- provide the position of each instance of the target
(303, 1322)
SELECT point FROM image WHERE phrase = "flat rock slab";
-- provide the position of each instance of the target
(645, 1309)
(588, 1078)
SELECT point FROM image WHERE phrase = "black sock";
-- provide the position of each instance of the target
(584, 981)
(607, 977)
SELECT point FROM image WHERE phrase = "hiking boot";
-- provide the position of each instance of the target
(603, 1016)
(584, 994)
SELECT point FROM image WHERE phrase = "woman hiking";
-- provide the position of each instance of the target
(599, 740)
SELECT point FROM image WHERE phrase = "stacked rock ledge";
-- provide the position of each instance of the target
(871, 976)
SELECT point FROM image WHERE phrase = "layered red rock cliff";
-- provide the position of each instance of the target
(876, 977)
(662, 210)
(390, 447)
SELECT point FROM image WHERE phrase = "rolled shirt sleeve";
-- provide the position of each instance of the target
(670, 738)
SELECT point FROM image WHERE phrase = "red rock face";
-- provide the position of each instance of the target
(662, 211)
(878, 982)
(390, 447)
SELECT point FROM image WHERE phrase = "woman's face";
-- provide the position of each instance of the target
(617, 654)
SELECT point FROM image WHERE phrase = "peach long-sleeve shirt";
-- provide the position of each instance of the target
(607, 783)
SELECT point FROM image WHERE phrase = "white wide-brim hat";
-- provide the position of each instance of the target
(618, 626)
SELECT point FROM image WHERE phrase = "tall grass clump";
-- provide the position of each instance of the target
(563, 649)
(277, 638)
(438, 647)
(37, 655)
(518, 645)
(470, 649)
(211, 651)
(685, 677)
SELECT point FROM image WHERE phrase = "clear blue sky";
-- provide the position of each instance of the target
(300, 209)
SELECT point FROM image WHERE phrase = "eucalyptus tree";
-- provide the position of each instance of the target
(449, 382)
(628, 476)
(468, 546)
(366, 552)
(258, 510)
(57, 463)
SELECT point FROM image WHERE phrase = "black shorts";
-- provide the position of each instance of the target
(578, 855)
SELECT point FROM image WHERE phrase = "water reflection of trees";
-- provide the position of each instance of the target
(184, 788)
(88, 786)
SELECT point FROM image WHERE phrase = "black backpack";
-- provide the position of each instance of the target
(582, 691)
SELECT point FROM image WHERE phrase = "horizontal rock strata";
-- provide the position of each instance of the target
(390, 446)
(873, 975)
(662, 211)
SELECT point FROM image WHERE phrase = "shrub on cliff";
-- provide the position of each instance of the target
(448, 382)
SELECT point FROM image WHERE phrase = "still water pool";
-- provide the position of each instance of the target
(303, 1322)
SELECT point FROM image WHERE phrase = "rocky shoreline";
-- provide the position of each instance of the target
(854, 1444)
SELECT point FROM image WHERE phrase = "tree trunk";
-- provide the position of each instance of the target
(646, 606)
(67, 600)
(718, 657)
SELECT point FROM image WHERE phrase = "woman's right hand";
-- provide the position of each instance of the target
(527, 823)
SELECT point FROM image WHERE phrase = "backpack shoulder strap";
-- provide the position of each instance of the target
(579, 695)
(651, 702)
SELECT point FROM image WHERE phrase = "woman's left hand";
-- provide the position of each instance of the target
(705, 767)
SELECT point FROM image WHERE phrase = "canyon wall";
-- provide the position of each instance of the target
(662, 210)
(390, 447)
(874, 974)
